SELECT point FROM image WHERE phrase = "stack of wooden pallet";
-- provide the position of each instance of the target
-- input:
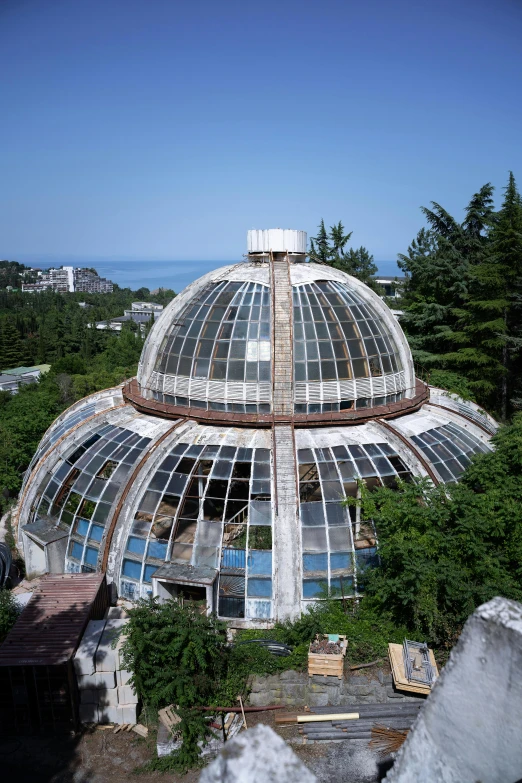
(400, 678)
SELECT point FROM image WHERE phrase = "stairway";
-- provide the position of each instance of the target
(287, 562)
(283, 372)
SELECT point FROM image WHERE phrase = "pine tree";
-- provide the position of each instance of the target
(11, 349)
(319, 247)
(438, 272)
(490, 321)
(338, 241)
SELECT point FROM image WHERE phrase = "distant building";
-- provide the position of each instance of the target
(140, 312)
(70, 279)
(11, 380)
(392, 286)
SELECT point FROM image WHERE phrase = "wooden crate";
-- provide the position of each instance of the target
(327, 665)
(401, 682)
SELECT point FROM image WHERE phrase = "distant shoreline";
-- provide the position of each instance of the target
(159, 274)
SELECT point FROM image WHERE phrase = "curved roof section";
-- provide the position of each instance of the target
(211, 348)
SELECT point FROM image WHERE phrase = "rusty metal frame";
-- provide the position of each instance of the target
(266, 420)
(107, 541)
(411, 447)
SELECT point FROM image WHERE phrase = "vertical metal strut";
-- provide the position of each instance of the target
(287, 561)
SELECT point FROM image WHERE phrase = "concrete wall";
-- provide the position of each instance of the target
(34, 556)
(56, 555)
(297, 689)
(470, 728)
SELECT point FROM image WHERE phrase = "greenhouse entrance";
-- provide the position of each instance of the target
(188, 583)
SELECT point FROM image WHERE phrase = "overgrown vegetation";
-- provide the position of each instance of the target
(8, 612)
(52, 328)
(180, 656)
(445, 550)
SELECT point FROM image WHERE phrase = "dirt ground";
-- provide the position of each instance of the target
(100, 756)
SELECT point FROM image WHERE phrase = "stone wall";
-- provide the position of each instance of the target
(297, 689)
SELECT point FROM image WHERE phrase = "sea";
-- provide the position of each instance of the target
(174, 274)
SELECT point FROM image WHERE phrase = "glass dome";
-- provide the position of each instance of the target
(173, 483)
(212, 348)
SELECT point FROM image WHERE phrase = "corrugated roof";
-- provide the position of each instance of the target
(50, 628)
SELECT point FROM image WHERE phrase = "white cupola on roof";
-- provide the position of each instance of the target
(276, 240)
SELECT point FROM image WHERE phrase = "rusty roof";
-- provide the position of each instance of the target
(51, 626)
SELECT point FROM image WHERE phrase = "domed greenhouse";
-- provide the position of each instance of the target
(265, 391)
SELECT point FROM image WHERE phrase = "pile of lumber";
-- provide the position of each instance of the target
(351, 721)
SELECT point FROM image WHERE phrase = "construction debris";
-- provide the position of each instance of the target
(329, 658)
(387, 741)
(325, 723)
(141, 730)
(288, 717)
(170, 718)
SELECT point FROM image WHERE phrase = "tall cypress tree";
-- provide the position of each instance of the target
(11, 349)
(438, 270)
(490, 321)
(320, 250)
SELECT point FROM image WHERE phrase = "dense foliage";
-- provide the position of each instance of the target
(328, 247)
(178, 656)
(8, 612)
(40, 328)
(445, 550)
(52, 328)
(463, 296)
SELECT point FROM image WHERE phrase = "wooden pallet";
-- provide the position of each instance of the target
(401, 682)
(328, 665)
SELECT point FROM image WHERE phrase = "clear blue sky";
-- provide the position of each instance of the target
(164, 129)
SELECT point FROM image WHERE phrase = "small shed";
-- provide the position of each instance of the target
(195, 583)
(38, 692)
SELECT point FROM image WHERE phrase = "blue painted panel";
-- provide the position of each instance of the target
(96, 533)
(132, 569)
(317, 562)
(260, 587)
(82, 526)
(136, 545)
(341, 560)
(260, 562)
(91, 555)
(148, 571)
(233, 558)
(157, 549)
(314, 588)
(77, 550)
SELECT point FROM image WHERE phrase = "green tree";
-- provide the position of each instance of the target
(177, 655)
(329, 247)
(12, 353)
(438, 267)
(489, 322)
(319, 246)
(8, 612)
